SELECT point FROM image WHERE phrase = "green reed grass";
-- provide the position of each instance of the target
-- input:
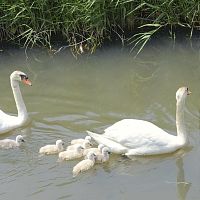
(86, 24)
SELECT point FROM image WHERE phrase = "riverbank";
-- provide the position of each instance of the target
(84, 26)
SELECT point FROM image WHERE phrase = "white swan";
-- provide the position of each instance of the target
(71, 154)
(138, 137)
(8, 143)
(52, 148)
(8, 122)
(104, 156)
(81, 140)
(84, 165)
(86, 144)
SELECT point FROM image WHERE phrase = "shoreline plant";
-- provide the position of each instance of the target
(84, 25)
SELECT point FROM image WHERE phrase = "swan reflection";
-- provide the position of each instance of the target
(182, 185)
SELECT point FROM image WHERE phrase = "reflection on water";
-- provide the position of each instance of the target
(182, 185)
(71, 96)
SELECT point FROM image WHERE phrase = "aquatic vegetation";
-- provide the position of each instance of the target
(85, 25)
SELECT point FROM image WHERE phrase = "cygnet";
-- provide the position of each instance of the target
(81, 140)
(97, 150)
(86, 144)
(52, 148)
(72, 154)
(8, 143)
(84, 165)
(104, 156)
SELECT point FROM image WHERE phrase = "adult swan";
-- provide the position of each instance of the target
(8, 122)
(138, 137)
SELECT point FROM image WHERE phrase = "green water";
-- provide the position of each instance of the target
(71, 96)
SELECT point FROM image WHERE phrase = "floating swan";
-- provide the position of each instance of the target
(81, 141)
(72, 154)
(138, 137)
(96, 151)
(8, 143)
(8, 122)
(86, 144)
(84, 165)
(104, 156)
(52, 148)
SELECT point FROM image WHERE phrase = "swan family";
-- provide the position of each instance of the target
(131, 137)
(138, 137)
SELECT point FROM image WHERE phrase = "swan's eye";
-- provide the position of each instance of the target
(23, 77)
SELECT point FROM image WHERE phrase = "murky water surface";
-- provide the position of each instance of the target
(71, 96)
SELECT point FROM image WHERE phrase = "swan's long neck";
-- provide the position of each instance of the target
(180, 122)
(21, 108)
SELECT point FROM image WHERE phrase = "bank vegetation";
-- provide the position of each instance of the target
(84, 25)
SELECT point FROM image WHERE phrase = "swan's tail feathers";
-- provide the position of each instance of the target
(89, 132)
(100, 139)
(114, 146)
(95, 136)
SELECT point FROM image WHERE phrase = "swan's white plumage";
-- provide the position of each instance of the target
(81, 140)
(52, 148)
(8, 143)
(84, 165)
(8, 122)
(139, 137)
(95, 150)
(71, 154)
(86, 144)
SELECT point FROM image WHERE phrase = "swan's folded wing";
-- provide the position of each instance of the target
(134, 133)
(7, 122)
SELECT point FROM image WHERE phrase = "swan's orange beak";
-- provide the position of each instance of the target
(27, 82)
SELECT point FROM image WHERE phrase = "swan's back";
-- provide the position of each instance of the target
(133, 133)
(133, 124)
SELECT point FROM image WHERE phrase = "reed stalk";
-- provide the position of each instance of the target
(85, 25)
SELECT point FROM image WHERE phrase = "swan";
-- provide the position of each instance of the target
(8, 143)
(97, 150)
(52, 148)
(71, 154)
(8, 122)
(85, 164)
(139, 137)
(86, 144)
(81, 140)
(104, 156)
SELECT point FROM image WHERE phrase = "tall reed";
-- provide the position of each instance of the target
(86, 24)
